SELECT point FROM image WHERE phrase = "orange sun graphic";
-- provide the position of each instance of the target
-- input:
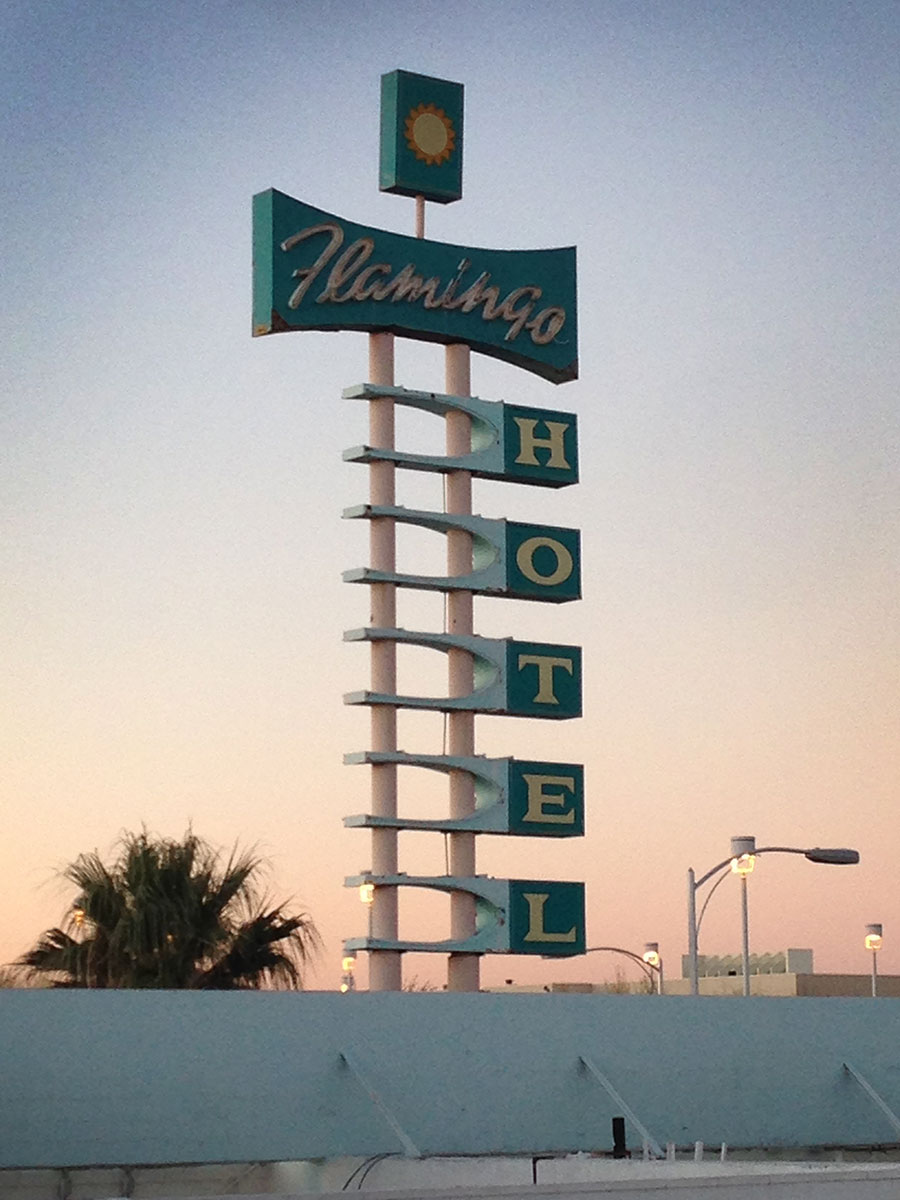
(430, 134)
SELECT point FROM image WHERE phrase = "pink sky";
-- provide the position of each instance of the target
(173, 608)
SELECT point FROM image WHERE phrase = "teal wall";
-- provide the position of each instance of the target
(156, 1077)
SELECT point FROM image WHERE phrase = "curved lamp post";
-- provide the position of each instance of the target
(744, 853)
(874, 942)
(649, 962)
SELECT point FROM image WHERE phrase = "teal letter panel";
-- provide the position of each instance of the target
(512, 796)
(522, 562)
(516, 679)
(546, 799)
(543, 680)
(540, 446)
(546, 917)
(537, 446)
(543, 562)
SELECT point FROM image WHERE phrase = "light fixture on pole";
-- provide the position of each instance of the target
(741, 861)
(652, 958)
(649, 962)
(348, 979)
(367, 896)
(874, 942)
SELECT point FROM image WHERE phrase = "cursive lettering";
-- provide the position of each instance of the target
(350, 278)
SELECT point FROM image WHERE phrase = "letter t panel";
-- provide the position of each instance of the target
(543, 680)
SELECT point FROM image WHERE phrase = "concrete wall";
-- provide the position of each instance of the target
(782, 984)
(847, 985)
(571, 1178)
(177, 1077)
(789, 984)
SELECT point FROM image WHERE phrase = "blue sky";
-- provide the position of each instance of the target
(172, 489)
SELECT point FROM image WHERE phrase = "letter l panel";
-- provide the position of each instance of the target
(546, 917)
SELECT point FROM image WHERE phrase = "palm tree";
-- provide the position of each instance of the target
(172, 914)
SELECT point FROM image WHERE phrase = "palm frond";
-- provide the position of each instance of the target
(170, 913)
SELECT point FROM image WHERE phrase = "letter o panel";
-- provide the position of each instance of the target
(543, 562)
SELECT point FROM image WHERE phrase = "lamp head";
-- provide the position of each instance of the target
(651, 954)
(836, 857)
(367, 893)
(743, 864)
(874, 939)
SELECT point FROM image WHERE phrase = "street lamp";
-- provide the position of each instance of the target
(649, 962)
(741, 861)
(348, 979)
(874, 943)
(652, 958)
(367, 896)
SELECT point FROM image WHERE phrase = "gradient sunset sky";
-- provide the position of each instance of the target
(172, 489)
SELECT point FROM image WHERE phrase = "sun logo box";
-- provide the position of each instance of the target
(421, 136)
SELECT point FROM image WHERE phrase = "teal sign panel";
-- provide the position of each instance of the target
(540, 446)
(523, 562)
(546, 917)
(543, 562)
(516, 679)
(313, 270)
(513, 916)
(509, 441)
(543, 680)
(546, 799)
(421, 136)
(512, 796)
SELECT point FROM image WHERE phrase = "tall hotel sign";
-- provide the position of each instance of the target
(313, 270)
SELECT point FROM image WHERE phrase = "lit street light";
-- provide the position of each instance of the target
(367, 897)
(348, 979)
(741, 861)
(649, 962)
(874, 942)
(652, 959)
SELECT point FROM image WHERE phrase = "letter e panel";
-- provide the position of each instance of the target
(546, 799)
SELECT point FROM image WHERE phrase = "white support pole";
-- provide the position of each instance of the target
(463, 973)
(874, 1096)
(693, 966)
(745, 936)
(410, 1149)
(385, 966)
(619, 1101)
